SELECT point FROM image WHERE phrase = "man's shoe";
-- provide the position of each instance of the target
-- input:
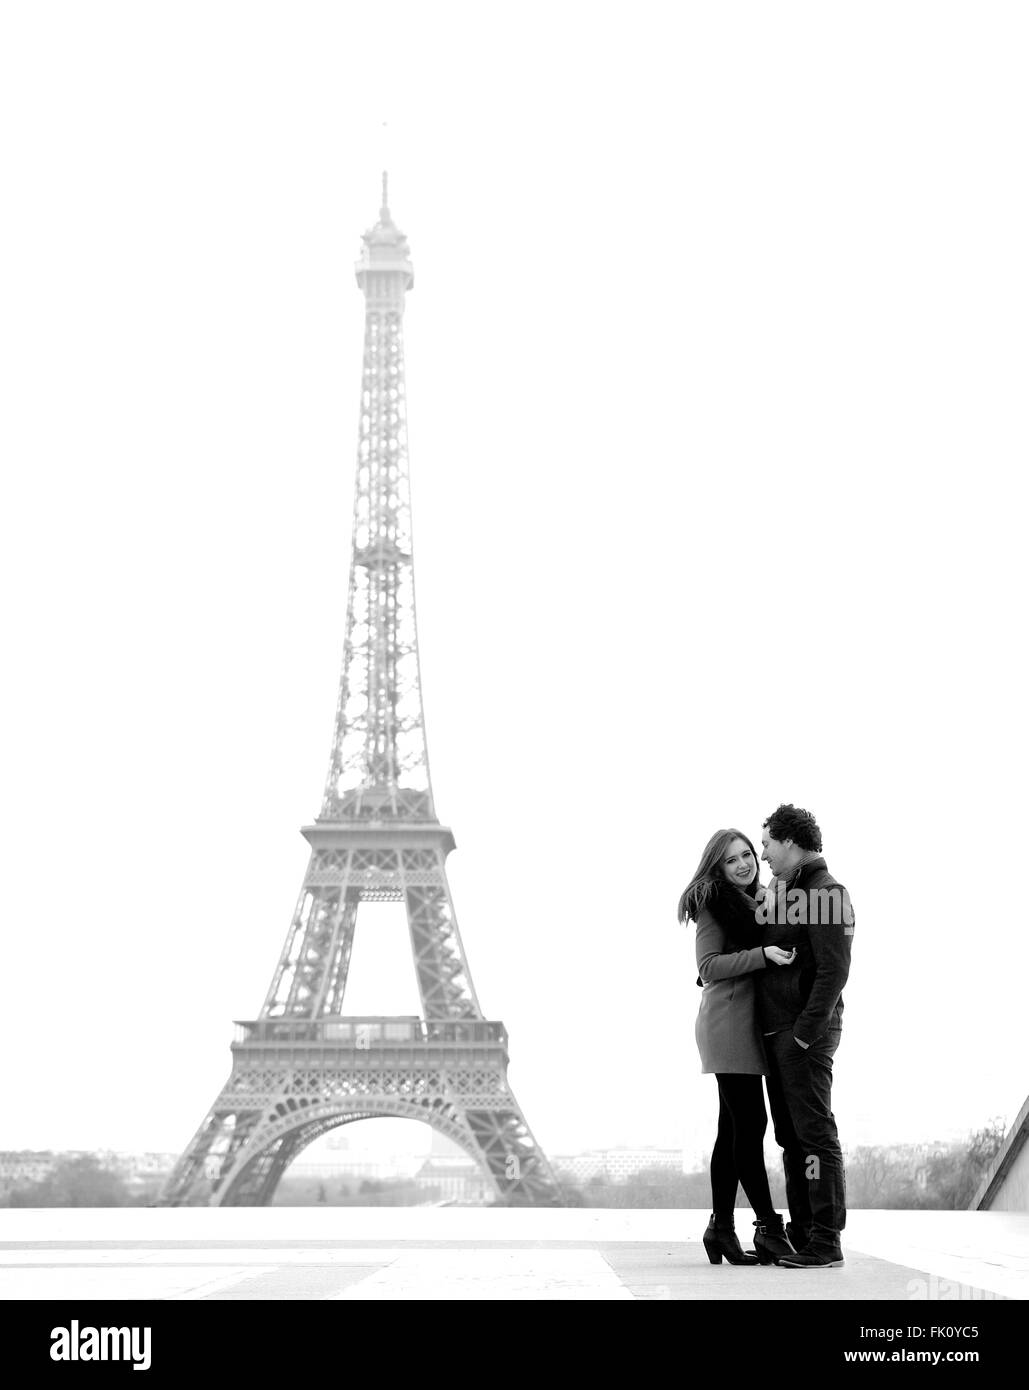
(816, 1255)
(798, 1236)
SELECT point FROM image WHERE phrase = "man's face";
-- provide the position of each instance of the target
(779, 855)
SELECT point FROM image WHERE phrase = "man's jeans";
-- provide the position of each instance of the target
(799, 1085)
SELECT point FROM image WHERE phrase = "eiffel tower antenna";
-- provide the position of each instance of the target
(303, 1067)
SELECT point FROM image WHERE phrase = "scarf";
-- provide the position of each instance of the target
(734, 910)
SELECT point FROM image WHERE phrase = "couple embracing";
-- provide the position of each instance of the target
(773, 962)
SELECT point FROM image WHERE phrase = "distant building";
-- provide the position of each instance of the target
(455, 1179)
(24, 1165)
(27, 1165)
(1005, 1186)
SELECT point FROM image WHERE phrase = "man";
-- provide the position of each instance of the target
(800, 1009)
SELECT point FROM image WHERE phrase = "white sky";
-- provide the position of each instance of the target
(716, 364)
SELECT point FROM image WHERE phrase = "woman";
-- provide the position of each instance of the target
(722, 898)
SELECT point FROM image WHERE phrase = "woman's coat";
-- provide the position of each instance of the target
(728, 1034)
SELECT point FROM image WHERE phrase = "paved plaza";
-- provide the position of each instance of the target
(436, 1253)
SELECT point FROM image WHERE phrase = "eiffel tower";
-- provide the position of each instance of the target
(303, 1066)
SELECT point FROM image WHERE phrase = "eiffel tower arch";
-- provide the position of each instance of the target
(303, 1067)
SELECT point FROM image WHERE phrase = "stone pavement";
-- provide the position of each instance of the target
(435, 1253)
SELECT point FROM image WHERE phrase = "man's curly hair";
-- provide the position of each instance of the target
(788, 822)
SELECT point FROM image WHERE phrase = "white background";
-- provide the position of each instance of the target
(716, 365)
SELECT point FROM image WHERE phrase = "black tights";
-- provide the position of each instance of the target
(738, 1155)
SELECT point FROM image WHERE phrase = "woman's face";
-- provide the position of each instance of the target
(739, 864)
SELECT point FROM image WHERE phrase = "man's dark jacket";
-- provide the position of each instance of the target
(807, 996)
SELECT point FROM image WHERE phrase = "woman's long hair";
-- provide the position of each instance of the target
(709, 877)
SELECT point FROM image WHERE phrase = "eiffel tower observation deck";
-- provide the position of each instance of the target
(303, 1067)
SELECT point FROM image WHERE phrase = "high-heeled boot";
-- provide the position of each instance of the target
(720, 1239)
(770, 1242)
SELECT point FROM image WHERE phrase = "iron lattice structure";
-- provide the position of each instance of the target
(303, 1067)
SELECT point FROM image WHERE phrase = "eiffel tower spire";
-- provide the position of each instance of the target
(379, 765)
(303, 1066)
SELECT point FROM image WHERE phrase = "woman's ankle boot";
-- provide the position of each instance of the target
(720, 1239)
(770, 1243)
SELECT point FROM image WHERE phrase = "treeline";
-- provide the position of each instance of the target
(941, 1177)
(86, 1180)
(81, 1180)
(944, 1179)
